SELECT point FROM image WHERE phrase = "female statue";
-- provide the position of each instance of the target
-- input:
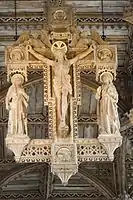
(16, 104)
(107, 97)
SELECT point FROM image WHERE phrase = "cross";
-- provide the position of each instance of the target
(61, 86)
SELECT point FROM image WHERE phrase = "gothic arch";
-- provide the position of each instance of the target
(99, 184)
(17, 173)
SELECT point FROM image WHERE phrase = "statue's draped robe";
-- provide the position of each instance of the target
(107, 110)
(17, 102)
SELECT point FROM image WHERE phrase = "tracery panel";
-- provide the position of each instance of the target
(87, 114)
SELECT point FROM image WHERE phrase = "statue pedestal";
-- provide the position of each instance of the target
(64, 160)
(17, 144)
(111, 143)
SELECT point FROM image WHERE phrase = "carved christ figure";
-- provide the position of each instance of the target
(16, 104)
(62, 80)
(107, 97)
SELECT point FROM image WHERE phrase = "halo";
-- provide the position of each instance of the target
(107, 74)
(17, 76)
(59, 45)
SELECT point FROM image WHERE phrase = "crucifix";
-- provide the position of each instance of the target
(62, 52)
(61, 82)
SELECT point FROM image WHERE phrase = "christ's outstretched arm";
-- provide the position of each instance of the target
(82, 55)
(39, 56)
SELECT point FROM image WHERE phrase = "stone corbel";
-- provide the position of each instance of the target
(17, 144)
(64, 160)
(111, 143)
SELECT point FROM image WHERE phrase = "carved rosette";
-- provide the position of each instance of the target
(64, 160)
(105, 59)
(111, 143)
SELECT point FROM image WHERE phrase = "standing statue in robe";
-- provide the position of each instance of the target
(16, 104)
(62, 80)
(107, 96)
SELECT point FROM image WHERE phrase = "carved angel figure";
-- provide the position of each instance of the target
(16, 104)
(107, 96)
(81, 40)
(39, 40)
